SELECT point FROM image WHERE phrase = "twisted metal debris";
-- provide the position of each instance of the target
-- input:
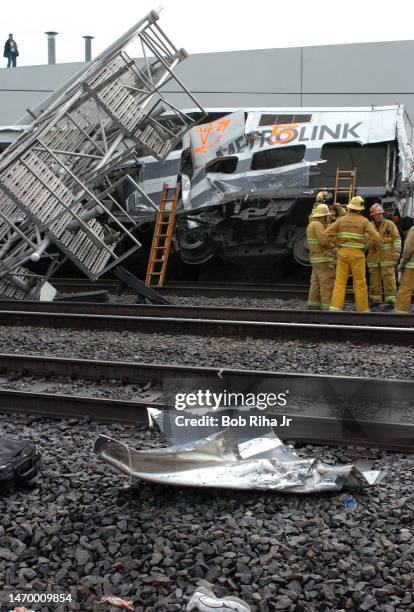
(221, 460)
(56, 180)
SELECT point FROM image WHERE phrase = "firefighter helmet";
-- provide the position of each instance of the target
(376, 209)
(323, 196)
(357, 203)
(321, 210)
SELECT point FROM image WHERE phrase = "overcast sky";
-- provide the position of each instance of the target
(203, 26)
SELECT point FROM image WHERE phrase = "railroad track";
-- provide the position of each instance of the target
(111, 283)
(281, 292)
(328, 409)
(380, 319)
(286, 330)
(258, 290)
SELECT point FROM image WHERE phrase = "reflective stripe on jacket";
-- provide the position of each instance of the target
(314, 233)
(390, 243)
(407, 257)
(350, 231)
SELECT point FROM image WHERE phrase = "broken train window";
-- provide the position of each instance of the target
(370, 160)
(225, 165)
(277, 157)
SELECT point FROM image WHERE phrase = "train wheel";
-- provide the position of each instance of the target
(300, 248)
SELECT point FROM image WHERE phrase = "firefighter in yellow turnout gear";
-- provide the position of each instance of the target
(382, 259)
(323, 269)
(407, 279)
(335, 209)
(322, 197)
(349, 233)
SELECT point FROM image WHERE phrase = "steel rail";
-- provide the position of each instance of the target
(381, 319)
(337, 413)
(217, 289)
(109, 282)
(212, 327)
(285, 291)
(260, 291)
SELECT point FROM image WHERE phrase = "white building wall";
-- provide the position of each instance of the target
(333, 75)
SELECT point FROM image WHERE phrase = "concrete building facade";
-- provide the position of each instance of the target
(333, 75)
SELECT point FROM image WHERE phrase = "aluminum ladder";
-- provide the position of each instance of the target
(162, 238)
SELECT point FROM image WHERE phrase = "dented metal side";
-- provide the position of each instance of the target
(207, 189)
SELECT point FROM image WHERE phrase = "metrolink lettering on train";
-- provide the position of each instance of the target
(291, 133)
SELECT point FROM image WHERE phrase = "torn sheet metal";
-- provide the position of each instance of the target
(222, 461)
(228, 138)
(210, 189)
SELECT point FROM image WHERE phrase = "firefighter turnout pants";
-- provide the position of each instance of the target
(405, 291)
(322, 282)
(350, 261)
(382, 276)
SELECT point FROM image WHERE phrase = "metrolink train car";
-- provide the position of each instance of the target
(249, 177)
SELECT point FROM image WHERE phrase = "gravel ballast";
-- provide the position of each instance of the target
(223, 302)
(243, 302)
(344, 358)
(79, 531)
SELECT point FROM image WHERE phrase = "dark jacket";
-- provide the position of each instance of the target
(7, 48)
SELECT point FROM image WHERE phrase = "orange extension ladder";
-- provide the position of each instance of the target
(163, 233)
(345, 184)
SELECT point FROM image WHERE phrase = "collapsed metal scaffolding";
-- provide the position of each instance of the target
(56, 183)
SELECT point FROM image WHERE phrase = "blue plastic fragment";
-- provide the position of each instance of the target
(349, 502)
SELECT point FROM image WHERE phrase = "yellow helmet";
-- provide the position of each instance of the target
(357, 203)
(323, 196)
(321, 210)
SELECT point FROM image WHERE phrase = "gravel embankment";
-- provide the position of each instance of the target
(60, 385)
(223, 302)
(242, 302)
(79, 531)
(348, 358)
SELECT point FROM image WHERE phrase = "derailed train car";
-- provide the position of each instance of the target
(249, 177)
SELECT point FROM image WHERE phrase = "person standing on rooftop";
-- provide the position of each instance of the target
(11, 51)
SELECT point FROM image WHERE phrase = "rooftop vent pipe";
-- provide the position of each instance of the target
(51, 47)
(88, 48)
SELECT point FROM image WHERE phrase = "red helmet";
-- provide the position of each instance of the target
(376, 209)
